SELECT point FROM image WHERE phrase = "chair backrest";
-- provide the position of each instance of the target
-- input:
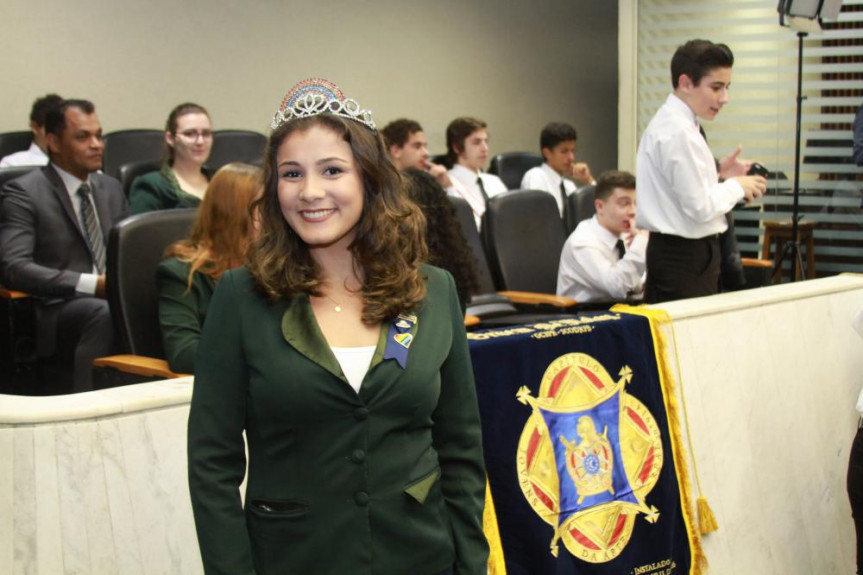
(135, 248)
(471, 235)
(523, 236)
(579, 206)
(126, 146)
(511, 167)
(441, 159)
(11, 142)
(12, 172)
(130, 171)
(236, 146)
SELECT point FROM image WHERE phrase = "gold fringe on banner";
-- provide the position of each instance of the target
(496, 564)
(706, 522)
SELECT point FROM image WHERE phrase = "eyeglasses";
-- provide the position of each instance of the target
(193, 135)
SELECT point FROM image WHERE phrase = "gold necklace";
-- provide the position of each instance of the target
(338, 307)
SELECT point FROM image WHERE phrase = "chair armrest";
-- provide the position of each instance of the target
(12, 294)
(470, 320)
(138, 365)
(523, 297)
(756, 263)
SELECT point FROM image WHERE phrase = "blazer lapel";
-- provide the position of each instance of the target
(62, 195)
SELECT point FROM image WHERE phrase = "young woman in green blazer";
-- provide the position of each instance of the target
(187, 278)
(344, 360)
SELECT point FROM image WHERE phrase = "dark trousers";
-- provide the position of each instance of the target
(855, 491)
(680, 268)
(84, 332)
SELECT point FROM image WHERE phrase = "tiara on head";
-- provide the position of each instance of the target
(317, 96)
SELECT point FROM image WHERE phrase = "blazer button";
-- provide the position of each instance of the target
(361, 413)
(361, 498)
(358, 456)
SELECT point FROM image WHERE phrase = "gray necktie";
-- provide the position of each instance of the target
(91, 227)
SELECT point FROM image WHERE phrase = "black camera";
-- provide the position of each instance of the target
(757, 170)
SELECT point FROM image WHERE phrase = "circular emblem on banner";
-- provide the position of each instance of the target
(588, 457)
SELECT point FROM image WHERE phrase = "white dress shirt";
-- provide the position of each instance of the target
(32, 156)
(86, 282)
(678, 187)
(546, 179)
(465, 186)
(590, 269)
(355, 362)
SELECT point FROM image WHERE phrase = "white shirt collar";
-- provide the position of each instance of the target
(464, 172)
(71, 182)
(602, 233)
(552, 175)
(682, 107)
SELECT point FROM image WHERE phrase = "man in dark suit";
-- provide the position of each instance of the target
(54, 226)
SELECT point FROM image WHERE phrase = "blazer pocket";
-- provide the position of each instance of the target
(275, 508)
(420, 488)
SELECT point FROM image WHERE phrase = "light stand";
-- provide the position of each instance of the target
(792, 247)
(804, 16)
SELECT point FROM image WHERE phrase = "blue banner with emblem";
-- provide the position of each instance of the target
(585, 466)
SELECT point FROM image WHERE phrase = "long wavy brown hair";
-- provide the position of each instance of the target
(388, 248)
(225, 225)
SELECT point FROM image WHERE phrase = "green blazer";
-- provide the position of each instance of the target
(182, 311)
(390, 480)
(160, 191)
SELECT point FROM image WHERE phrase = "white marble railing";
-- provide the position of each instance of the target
(771, 377)
(95, 483)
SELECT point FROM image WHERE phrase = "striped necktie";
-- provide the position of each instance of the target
(91, 227)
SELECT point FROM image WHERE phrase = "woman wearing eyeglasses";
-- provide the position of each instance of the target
(183, 179)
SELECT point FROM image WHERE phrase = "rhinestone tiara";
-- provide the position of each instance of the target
(316, 96)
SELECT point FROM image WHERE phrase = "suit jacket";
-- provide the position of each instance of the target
(182, 311)
(388, 480)
(43, 249)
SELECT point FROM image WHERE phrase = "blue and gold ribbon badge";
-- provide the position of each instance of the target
(400, 337)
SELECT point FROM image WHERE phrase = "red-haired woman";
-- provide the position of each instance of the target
(221, 233)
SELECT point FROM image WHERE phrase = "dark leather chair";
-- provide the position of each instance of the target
(236, 146)
(135, 247)
(130, 171)
(511, 167)
(579, 206)
(523, 236)
(11, 142)
(127, 146)
(499, 308)
(440, 159)
(12, 172)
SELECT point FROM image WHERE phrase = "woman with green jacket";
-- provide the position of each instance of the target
(187, 277)
(344, 361)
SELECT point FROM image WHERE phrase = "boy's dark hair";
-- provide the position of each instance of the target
(41, 106)
(398, 132)
(697, 58)
(610, 180)
(457, 132)
(555, 133)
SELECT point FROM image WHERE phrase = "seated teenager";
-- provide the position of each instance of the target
(557, 143)
(603, 258)
(183, 179)
(188, 277)
(447, 246)
(467, 150)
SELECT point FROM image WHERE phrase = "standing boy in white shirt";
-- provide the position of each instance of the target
(557, 142)
(681, 199)
(603, 258)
